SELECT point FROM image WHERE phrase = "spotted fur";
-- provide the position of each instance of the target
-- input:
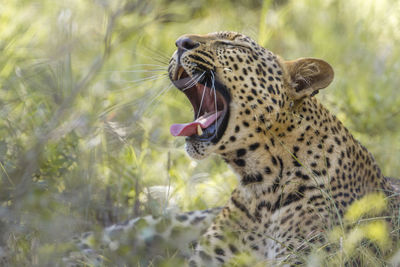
(298, 167)
(142, 240)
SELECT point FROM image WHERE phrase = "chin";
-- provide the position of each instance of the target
(197, 150)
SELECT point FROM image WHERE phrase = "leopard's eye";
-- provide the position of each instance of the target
(227, 44)
(231, 45)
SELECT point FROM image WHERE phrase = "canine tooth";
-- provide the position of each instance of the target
(199, 130)
(180, 71)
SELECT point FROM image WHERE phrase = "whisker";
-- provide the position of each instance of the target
(154, 51)
(157, 100)
(160, 93)
(194, 81)
(215, 100)
(202, 98)
(190, 81)
(147, 65)
(200, 77)
(157, 53)
(212, 80)
(156, 58)
(193, 78)
(159, 60)
(149, 78)
(138, 101)
(133, 71)
(133, 84)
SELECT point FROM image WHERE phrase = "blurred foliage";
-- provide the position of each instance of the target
(85, 104)
(362, 239)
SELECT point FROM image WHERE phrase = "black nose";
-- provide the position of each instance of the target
(185, 43)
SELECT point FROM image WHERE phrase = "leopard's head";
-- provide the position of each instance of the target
(237, 89)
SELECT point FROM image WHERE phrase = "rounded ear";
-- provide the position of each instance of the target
(307, 76)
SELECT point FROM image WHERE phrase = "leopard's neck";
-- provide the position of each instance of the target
(305, 148)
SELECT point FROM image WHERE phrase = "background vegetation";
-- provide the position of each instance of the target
(85, 104)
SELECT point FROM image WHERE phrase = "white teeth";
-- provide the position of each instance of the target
(199, 130)
(180, 71)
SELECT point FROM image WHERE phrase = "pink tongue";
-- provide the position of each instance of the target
(189, 129)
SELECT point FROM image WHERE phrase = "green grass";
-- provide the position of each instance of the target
(85, 104)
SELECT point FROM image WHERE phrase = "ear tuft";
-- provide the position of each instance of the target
(308, 76)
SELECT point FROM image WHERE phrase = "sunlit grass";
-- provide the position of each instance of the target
(364, 239)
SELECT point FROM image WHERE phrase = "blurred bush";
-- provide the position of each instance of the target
(85, 104)
(362, 238)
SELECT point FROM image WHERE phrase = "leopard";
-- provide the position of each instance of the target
(298, 167)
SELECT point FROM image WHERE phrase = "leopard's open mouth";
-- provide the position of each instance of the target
(210, 101)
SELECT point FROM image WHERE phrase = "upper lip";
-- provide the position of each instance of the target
(179, 69)
(178, 73)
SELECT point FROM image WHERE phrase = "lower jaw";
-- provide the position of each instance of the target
(220, 130)
(197, 152)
